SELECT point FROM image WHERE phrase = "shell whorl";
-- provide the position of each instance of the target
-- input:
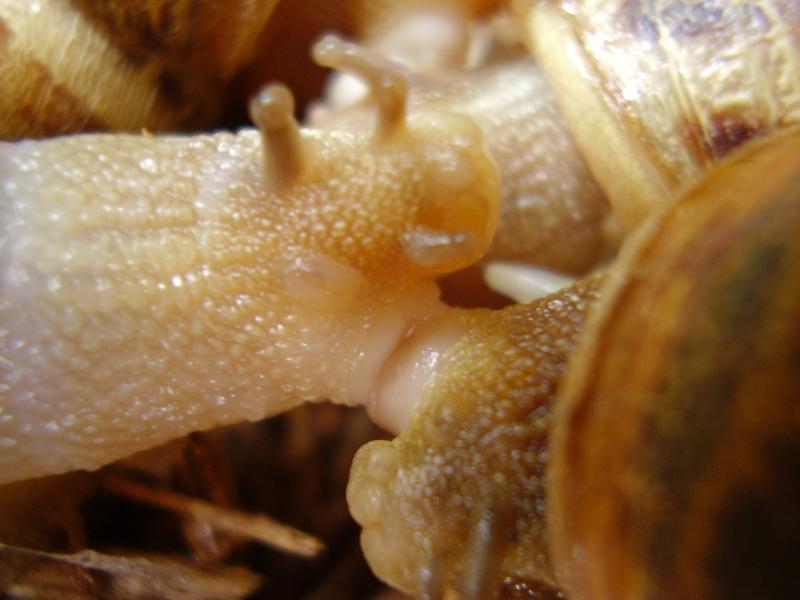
(667, 88)
(674, 456)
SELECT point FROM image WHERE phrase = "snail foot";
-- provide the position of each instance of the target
(379, 503)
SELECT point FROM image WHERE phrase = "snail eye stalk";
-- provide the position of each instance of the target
(272, 111)
(386, 80)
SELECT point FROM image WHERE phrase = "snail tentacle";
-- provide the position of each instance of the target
(272, 111)
(388, 83)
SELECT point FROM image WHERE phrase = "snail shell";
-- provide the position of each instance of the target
(81, 66)
(675, 453)
(666, 88)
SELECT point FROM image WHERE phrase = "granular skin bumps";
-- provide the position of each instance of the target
(468, 472)
(156, 286)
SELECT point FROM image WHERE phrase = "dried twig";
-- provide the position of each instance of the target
(255, 527)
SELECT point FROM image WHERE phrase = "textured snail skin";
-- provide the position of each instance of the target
(553, 212)
(675, 452)
(458, 498)
(672, 471)
(666, 88)
(152, 287)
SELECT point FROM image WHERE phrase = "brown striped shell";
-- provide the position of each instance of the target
(68, 66)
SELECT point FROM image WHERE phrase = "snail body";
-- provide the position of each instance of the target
(457, 500)
(212, 284)
(446, 486)
(599, 92)
(553, 212)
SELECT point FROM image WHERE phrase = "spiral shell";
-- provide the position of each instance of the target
(675, 450)
(666, 88)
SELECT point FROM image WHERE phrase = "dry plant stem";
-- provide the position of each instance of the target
(88, 574)
(223, 519)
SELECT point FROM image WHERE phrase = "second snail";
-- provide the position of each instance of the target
(243, 274)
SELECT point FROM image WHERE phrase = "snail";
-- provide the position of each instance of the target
(61, 305)
(672, 465)
(367, 294)
(73, 66)
(553, 212)
(122, 253)
(159, 62)
(666, 88)
(470, 509)
(599, 76)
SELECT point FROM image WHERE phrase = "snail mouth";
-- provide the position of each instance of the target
(409, 366)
